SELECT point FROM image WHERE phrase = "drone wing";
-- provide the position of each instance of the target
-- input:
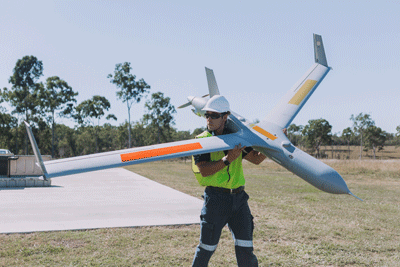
(120, 158)
(286, 110)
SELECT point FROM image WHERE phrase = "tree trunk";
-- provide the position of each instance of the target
(129, 126)
(97, 135)
(52, 139)
(348, 145)
(361, 147)
(373, 150)
(16, 138)
(26, 134)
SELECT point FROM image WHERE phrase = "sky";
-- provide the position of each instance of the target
(257, 49)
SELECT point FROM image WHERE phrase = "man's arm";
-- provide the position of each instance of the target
(208, 168)
(255, 157)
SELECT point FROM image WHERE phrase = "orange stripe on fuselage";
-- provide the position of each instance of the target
(159, 152)
(265, 133)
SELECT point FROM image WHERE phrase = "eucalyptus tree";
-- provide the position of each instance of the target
(294, 133)
(93, 109)
(347, 135)
(375, 138)
(397, 135)
(7, 123)
(360, 123)
(67, 144)
(131, 91)
(159, 114)
(57, 95)
(22, 94)
(316, 133)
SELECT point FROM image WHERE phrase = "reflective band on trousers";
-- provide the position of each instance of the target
(244, 243)
(208, 247)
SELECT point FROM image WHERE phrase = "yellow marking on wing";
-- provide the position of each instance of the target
(302, 92)
(265, 133)
(159, 152)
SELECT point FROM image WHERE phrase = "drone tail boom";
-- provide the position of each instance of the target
(291, 104)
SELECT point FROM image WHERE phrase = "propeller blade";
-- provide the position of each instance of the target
(205, 95)
(185, 105)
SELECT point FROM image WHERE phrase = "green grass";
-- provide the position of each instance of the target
(296, 224)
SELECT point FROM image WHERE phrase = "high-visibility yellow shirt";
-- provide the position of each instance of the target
(230, 177)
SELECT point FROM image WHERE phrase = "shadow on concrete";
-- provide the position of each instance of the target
(31, 187)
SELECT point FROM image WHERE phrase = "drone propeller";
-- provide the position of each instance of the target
(190, 98)
(185, 105)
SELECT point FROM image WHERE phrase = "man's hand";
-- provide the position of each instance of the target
(208, 168)
(235, 152)
(284, 131)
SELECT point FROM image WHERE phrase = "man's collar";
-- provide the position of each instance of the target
(225, 131)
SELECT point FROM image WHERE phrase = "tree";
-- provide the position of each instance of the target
(22, 95)
(316, 133)
(347, 135)
(57, 95)
(198, 131)
(360, 123)
(131, 91)
(108, 137)
(91, 109)
(398, 136)
(294, 133)
(67, 141)
(85, 143)
(160, 115)
(374, 138)
(7, 123)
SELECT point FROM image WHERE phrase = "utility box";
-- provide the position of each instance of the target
(26, 166)
(5, 162)
(21, 171)
(3, 165)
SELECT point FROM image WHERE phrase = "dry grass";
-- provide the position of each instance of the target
(342, 152)
(296, 224)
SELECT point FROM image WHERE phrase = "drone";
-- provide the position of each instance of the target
(265, 136)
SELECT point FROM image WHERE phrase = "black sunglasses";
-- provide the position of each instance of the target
(213, 116)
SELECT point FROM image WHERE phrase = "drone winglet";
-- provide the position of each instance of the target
(212, 83)
(319, 51)
(36, 151)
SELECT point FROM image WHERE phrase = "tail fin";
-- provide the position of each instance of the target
(319, 51)
(212, 83)
(286, 110)
(36, 151)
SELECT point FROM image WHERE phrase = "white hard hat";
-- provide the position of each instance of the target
(218, 104)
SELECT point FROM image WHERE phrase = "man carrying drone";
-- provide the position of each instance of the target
(225, 201)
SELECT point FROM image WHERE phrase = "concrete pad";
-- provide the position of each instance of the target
(101, 199)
